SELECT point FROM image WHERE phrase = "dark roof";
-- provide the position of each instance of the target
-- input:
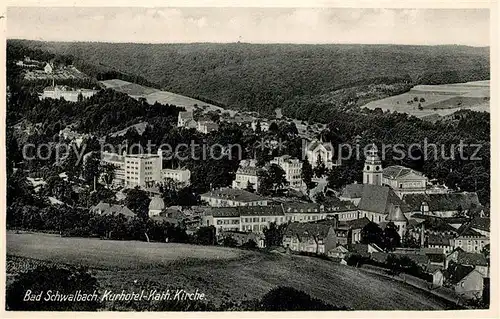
(234, 194)
(306, 230)
(353, 191)
(471, 259)
(442, 202)
(481, 223)
(455, 220)
(379, 199)
(467, 231)
(395, 214)
(437, 225)
(437, 258)
(456, 272)
(358, 223)
(274, 210)
(221, 211)
(438, 240)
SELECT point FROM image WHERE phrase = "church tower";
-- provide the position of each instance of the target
(372, 172)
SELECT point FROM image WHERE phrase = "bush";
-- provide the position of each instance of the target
(291, 299)
(55, 279)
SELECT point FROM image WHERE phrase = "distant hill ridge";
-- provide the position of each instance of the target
(261, 77)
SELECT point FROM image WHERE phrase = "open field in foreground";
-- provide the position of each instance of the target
(439, 99)
(222, 274)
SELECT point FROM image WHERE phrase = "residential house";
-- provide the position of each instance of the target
(247, 175)
(104, 208)
(466, 281)
(309, 237)
(349, 232)
(186, 119)
(223, 218)
(470, 240)
(293, 170)
(339, 252)
(476, 260)
(257, 218)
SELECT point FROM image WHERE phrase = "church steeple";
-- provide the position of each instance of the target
(372, 172)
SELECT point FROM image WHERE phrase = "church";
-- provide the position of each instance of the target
(374, 199)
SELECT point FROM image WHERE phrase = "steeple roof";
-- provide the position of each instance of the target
(396, 214)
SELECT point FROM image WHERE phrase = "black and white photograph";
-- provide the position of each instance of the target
(248, 159)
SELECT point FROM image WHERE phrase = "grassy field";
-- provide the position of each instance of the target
(223, 274)
(153, 95)
(439, 99)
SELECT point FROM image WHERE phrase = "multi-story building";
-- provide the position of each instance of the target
(256, 218)
(247, 175)
(404, 180)
(293, 170)
(227, 197)
(143, 170)
(67, 93)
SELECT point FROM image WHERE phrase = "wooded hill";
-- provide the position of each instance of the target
(262, 77)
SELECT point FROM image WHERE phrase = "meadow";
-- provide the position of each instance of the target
(154, 95)
(223, 274)
(439, 99)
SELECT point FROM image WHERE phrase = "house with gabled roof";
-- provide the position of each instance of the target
(470, 240)
(314, 238)
(465, 280)
(104, 208)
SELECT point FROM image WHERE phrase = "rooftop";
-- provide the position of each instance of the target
(239, 195)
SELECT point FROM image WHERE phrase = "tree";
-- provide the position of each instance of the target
(138, 201)
(250, 187)
(229, 241)
(91, 167)
(415, 99)
(422, 100)
(107, 173)
(273, 234)
(372, 234)
(272, 179)
(205, 235)
(43, 279)
(291, 299)
(273, 127)
(409, 241)
(307, 174)
(320, 168)
(391, 237)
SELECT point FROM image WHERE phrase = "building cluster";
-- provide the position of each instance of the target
(67, 93)
(143, 170)
(186, 120)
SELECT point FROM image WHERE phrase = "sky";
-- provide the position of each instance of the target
(254, 25)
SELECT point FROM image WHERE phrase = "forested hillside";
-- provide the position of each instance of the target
(262, 77)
